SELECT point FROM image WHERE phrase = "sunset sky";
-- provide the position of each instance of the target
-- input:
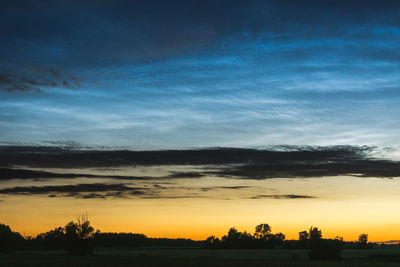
(307, 91)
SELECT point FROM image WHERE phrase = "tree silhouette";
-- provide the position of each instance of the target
(363, 240)
(79, 235)
(314, 233)
(9, 240)
(53, 238)
(321, 249)
(262, 231)
(236, 239)
(303, 239)
(212, 242)
(276, 240)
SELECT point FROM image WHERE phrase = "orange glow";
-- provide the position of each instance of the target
(343, 206)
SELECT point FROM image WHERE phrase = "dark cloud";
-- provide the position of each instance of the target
(280, 162)
(362, 168)
(86, 32)
(14, 173)
(186, 175)
(13, 83)
(281, 196)
(34, 80)
(172, 197)
(95, 190)
(93, 195)
(224, 187)
(42, 156)
(77, 190)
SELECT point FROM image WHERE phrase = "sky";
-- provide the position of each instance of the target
(201, 114)
(343, 190)
(181, 74)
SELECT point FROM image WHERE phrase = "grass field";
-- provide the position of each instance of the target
(198, 257)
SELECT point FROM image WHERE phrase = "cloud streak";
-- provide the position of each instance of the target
(276, 162)
(95, 190)
(34, 80)
(116, 190)
(282, 197)
(42, 156)
(105, 191)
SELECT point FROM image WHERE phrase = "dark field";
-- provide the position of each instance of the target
(198, 257)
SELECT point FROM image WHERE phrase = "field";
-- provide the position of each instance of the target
(198, 257)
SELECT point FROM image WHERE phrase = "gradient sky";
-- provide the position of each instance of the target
(178, 74)
(80, 76)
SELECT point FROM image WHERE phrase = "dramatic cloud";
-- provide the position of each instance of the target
(278, 162)
(233, 165)
(40, 156)
(366, 168)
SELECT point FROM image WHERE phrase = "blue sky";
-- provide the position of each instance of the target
(179, 74)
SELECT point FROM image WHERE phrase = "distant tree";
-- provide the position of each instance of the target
(315, 236)
(262, 231)
(314, 233)
(338, 238)
(339, 241)
(236, 239)
(233, 235)
(323, 249)
(53, 238)
(79, 235)
(303, 239)
(9, 240)
(363, 240)
(276, 240)
(212, 242)
(279, 237)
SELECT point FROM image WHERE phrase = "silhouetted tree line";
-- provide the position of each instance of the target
(76, 237)
(9, 240)
(311, 240)
(79, 237)
(262, 238)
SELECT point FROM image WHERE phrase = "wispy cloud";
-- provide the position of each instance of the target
(34, 79)
(282, 196)
(201, 74)
(76, 190)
